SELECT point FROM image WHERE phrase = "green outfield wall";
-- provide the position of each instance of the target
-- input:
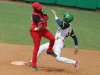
(29, 0)
(98, 3)
(47, 1)
(66, 2)
(87, 4)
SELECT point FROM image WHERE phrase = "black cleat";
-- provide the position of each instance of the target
(52, 53)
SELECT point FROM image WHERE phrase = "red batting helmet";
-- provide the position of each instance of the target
(37, 5)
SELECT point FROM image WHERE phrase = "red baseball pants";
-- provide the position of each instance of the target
(36, 36)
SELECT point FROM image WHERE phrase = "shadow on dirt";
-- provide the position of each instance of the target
(49, 69)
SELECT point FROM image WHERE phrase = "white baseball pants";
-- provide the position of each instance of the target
(58, 46)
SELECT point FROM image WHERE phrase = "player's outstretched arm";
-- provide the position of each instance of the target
(54, 13)
(59, 22)
(76, 44)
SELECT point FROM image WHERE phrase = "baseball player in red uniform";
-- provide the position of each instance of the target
(38, 30)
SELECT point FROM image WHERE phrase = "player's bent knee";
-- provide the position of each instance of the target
(57, 58)
(52, 39)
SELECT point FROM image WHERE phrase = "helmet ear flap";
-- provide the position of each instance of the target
(68, 17)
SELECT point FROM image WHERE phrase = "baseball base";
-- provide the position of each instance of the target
(19, 63)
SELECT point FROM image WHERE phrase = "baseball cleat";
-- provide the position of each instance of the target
(76, 65)
(52, 53)
(34, 68)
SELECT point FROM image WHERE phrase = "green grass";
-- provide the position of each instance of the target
(15, 21)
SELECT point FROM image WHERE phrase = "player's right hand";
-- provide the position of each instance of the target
(36, 28)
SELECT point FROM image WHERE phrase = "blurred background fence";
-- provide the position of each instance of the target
(86, 4)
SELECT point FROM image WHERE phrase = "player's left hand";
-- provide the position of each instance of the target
(76, 50)
(54, 13)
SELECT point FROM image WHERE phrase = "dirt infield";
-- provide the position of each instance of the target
(90, 62)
